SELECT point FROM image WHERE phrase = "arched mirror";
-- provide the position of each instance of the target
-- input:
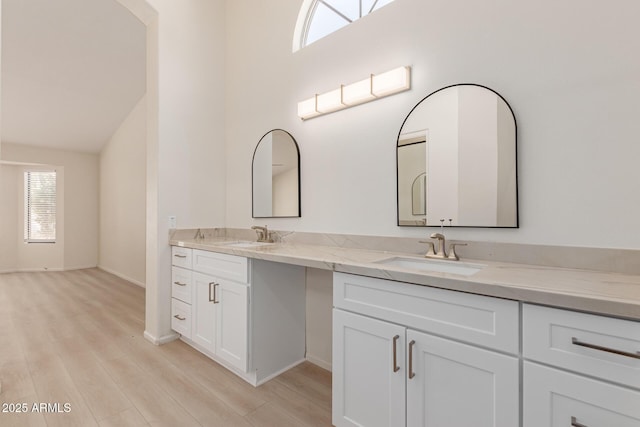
(276, 176)
(456, 158)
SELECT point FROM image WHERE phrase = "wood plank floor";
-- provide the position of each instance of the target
(76, 338)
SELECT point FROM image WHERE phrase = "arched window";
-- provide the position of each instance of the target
(319, 18)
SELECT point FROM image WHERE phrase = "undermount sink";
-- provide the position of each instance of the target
(246, 244)
(431, 265)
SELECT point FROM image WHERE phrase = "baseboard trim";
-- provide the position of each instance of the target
(31, 270)
(80, 268)
(44, 270)
(321, 363)
(162, 340)
(122, 276)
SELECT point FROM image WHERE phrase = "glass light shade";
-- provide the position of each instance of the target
(374, 87)
(392, 81)
(330, 101)
(307, 108)
(357, 93)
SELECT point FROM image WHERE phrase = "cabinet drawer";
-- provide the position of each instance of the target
(598, 346)
(181, 284)
(485, 321)
(181, 317)
(221, 265)
(181, 257)
(554, 398)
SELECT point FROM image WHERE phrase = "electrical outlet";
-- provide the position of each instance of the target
(173, 222)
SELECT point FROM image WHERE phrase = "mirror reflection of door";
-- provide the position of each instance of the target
(419, 195)
(276, 176)
(412, 184)
(470, 159)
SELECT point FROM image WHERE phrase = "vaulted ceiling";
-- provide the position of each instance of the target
(72, 70)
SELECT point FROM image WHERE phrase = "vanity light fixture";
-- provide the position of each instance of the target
(373, 87)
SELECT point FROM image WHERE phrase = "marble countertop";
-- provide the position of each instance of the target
(605, 293)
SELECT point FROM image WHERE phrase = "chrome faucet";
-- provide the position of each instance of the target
(441, 252)
(264, 235)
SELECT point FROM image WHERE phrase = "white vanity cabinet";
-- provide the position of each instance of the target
(220, 306)
(220, 318)
(580, 370)
(248, 315)
(411, 355)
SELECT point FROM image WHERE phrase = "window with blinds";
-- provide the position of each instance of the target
(40, 206)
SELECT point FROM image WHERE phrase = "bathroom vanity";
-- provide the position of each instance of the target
(406, 354)
(420, 356)
(246, 314)
(503, 345)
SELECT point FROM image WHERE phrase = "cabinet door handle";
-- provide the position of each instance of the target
(396, 368)
(213, 285)
(180, 284)
(576, 341)
(180, 256)
(177, 316)
(575, 423)
(212, 292)
(411, 373)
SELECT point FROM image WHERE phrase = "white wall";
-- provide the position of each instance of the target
(573, 83)
(9, 224)
(122, 249)
(77, 233)
(186, 164)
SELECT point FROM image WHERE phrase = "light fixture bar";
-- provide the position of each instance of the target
(375, 87)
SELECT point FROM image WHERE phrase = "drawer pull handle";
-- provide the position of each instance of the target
(411, 373)
(177, 316)
(180, 284)
(575, 423)
(576, 341)
(180, 256)
(396, 368)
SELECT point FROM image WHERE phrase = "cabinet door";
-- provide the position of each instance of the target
(368, 381)
(457, 385)
(204, 307)
(554, 398)
(232, 321)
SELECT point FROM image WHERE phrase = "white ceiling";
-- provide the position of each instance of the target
(72, 70)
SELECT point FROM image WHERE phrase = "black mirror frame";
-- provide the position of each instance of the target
(515, 123)
(299, 186)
